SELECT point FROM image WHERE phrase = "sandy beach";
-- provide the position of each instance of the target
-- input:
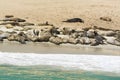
(55, 11)
(60, 39)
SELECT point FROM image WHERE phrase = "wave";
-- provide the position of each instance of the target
(84, 62)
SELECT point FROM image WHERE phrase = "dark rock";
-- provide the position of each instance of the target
(73, 20)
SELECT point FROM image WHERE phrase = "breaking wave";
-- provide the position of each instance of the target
(83, 62)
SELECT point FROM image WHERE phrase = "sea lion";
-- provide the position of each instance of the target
(73, 20)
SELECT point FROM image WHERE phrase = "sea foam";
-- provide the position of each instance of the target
(83, 62)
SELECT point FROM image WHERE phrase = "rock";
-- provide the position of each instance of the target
(85, 40)
(73, 20)
(106, 19)
(9, 16)
(56, 40)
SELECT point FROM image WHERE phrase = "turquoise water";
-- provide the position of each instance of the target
(8, 72)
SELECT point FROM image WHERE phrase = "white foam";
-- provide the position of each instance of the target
(84, 62)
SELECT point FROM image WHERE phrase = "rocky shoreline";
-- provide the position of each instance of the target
(17, 29)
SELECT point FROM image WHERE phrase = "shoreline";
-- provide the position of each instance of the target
(48, 48)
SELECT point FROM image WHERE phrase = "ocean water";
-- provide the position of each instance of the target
(30, 66)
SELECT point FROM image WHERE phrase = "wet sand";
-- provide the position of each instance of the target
(49, 48)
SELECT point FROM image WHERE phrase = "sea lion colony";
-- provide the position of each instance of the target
(17, 29)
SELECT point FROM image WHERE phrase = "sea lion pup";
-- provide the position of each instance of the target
(98, 39)
(73, 20)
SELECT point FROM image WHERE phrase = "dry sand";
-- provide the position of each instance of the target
(55, 11)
